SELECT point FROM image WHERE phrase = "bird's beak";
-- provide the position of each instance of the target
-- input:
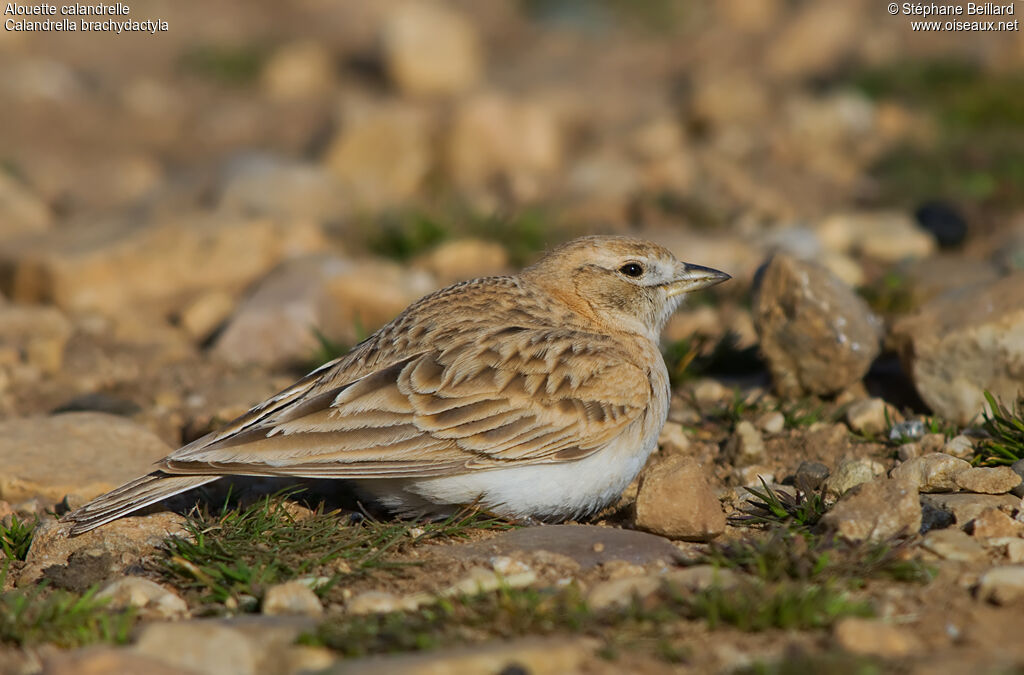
(693, 278)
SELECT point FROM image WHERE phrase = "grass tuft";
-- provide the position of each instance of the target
(16, 538)
(783, 553)
(758, 606)
(804, 508)
(1005, 429)
(230, 557)
(643, 625)
(39, 615)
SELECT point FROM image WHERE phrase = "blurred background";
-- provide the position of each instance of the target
(198, 214)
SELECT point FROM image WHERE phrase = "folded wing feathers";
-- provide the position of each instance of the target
(442, 411)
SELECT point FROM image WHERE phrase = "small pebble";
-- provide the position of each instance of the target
(994, 480)
(1018, 468)
(811, 475)
(772, 422)
(292, 597)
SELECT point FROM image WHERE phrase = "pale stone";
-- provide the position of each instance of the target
(382, 154)
(934, 472)
(955, 545)
(299, 70)
(676, 500)
(745, 447)
(1002, 585)
(868, 416)
(875, 638)
(851, 473)
(877, 510)
(110, 267)
(964, 343)
(430, 48)
(816, 334)
(291, 597)
(83, 453)
(154, 600)
(464, 259)
(497, 138)
(995, 480)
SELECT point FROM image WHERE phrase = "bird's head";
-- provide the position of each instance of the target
(629, 284)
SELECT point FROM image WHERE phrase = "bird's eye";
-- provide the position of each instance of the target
(632, 269)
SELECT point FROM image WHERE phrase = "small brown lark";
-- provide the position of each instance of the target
(539, 395)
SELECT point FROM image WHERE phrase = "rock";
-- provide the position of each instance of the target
(35, 336)
(212, 648)
(772, 422)
(874, 638)
(108, 268)
(908, 451)
(965, 507)
(745, 447)
(430, 49)
(276, 324)
(83, 454)
(382, 154)
(850, 474)
(944, 223)
(877, 510)
(481, 580)
(676, 500)
(1018, 468)
(235, 647)
(954, 545)
(622, 592)
(886, 237)
(299, 70)
(495, 138)
(464, 259)
(810, 475)
(105, 661)
(1002, 585)
(963, 343)
(922, 280)
(536, 656)
(994, 523)
(988, 480)
(673, 438)
(587, 545)
(701, 577)
(959, 446)
(21, 211)
(119, 544)
(816, 334)
(257, 185)
(379, 602)
(155, 601)
(934, 472)
(868, 416)
(291, 597)
(814, 40)
(204, 314)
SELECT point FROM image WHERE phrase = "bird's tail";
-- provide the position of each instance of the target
(132, 496)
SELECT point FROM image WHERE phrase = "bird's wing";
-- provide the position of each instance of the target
(513, 395)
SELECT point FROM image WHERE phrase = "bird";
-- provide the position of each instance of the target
(534, 397)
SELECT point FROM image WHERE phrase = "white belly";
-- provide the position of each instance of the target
(544, 491)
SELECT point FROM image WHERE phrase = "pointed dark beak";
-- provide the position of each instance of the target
(694, 278)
